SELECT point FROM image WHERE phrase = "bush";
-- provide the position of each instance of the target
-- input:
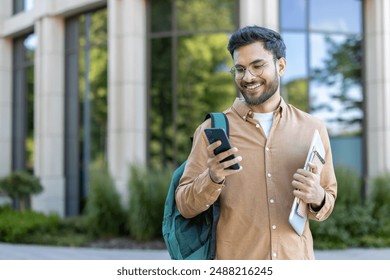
(148, 189)
(379, 200)
(38, 228)
(350, 219)
(25, 227)
(105, 216)
(20, 185)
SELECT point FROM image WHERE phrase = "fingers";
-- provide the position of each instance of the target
(212, 147)
(303, 178)
(313, 167)
(219, 164)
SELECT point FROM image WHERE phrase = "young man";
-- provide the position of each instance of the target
(271, 140)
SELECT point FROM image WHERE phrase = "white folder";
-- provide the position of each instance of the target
(299, 209)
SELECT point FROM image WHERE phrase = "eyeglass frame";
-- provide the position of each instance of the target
(234, 68)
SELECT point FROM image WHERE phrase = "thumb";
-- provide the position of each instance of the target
(313, 168)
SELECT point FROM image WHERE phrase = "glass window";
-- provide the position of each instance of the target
(203, 78)
(22, 5)
(335, 91)
(161, 102)
(336, 16)
(189, 72)
(324, 58)
(295, 79)
(293, 14)
(160, 15)
(23, 100)
(86, 103)
(205, 15)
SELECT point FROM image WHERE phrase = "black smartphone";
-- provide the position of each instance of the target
(215, 134)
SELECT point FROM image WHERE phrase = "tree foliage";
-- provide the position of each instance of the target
(20, 185)
(342, 68)
(189, 75)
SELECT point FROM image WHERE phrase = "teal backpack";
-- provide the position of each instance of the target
(195, 238)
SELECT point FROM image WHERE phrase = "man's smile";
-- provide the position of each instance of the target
(253, 86)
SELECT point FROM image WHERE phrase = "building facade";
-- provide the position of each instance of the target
(125, 81)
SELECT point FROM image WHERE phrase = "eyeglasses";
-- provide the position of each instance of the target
(255, 69)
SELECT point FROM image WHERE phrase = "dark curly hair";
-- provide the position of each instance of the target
(250, 34)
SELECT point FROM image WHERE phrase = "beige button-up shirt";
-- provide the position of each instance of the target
(256, 202)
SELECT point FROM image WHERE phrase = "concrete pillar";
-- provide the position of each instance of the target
(260, 12)
(5, 97)
(127, 93)
(49, 114)
(377, 84)
(5, 93)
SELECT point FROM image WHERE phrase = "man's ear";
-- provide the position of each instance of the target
(282, 63)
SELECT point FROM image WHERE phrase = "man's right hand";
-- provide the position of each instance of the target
(218, 170)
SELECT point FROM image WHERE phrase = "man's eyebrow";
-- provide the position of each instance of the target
(260, 60)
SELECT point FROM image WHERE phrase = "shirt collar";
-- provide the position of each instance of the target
(245, 111)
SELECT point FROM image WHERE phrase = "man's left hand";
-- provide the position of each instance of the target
(307, 186)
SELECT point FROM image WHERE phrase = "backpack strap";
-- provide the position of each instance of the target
(218, 120)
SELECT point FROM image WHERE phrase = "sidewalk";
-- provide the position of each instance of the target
(34, 252)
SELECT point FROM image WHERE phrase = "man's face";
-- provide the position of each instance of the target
(257, 88)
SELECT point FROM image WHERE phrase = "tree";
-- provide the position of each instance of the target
(19, 186)
(342, 68)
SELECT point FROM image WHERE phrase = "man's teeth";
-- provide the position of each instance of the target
(253, 86)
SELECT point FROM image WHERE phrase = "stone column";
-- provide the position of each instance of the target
(5, 97)
(377, 85)
(5, 93)
(260, 12)
(127, 94)
(49, 114)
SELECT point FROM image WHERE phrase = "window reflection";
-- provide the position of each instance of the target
(161, 100)
(204, 82)
(205, 15)
(336, 92)
(189, 71)
(23, 100)
(22, 5)
(295, 81)
(332, 59)
(335, 16)
(293, 14)
(161, 15)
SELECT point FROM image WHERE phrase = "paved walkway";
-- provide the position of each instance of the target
(34, 252)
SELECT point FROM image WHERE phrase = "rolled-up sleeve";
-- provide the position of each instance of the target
(328, 182)
(196, 191)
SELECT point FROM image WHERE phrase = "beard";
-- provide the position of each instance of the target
(269, 91)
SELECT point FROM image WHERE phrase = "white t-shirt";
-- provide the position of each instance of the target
(265, 119)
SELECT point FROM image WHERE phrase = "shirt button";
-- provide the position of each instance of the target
(274, 254)
(267, 149)
(207, 205)
(271, 200)
(269, 175)
(219, 189)
(273, 226)
(257, 125)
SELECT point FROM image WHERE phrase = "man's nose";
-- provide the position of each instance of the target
(248, 75)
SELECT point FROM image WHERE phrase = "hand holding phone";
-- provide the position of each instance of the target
(215, 134)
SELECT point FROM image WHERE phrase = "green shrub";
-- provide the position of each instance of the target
(25, 227)
(350, 219)
(20, 185)
(348, 186)
(104, 213)
(379, 200)
(148, 189)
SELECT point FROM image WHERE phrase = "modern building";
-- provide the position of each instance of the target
(126, 82)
